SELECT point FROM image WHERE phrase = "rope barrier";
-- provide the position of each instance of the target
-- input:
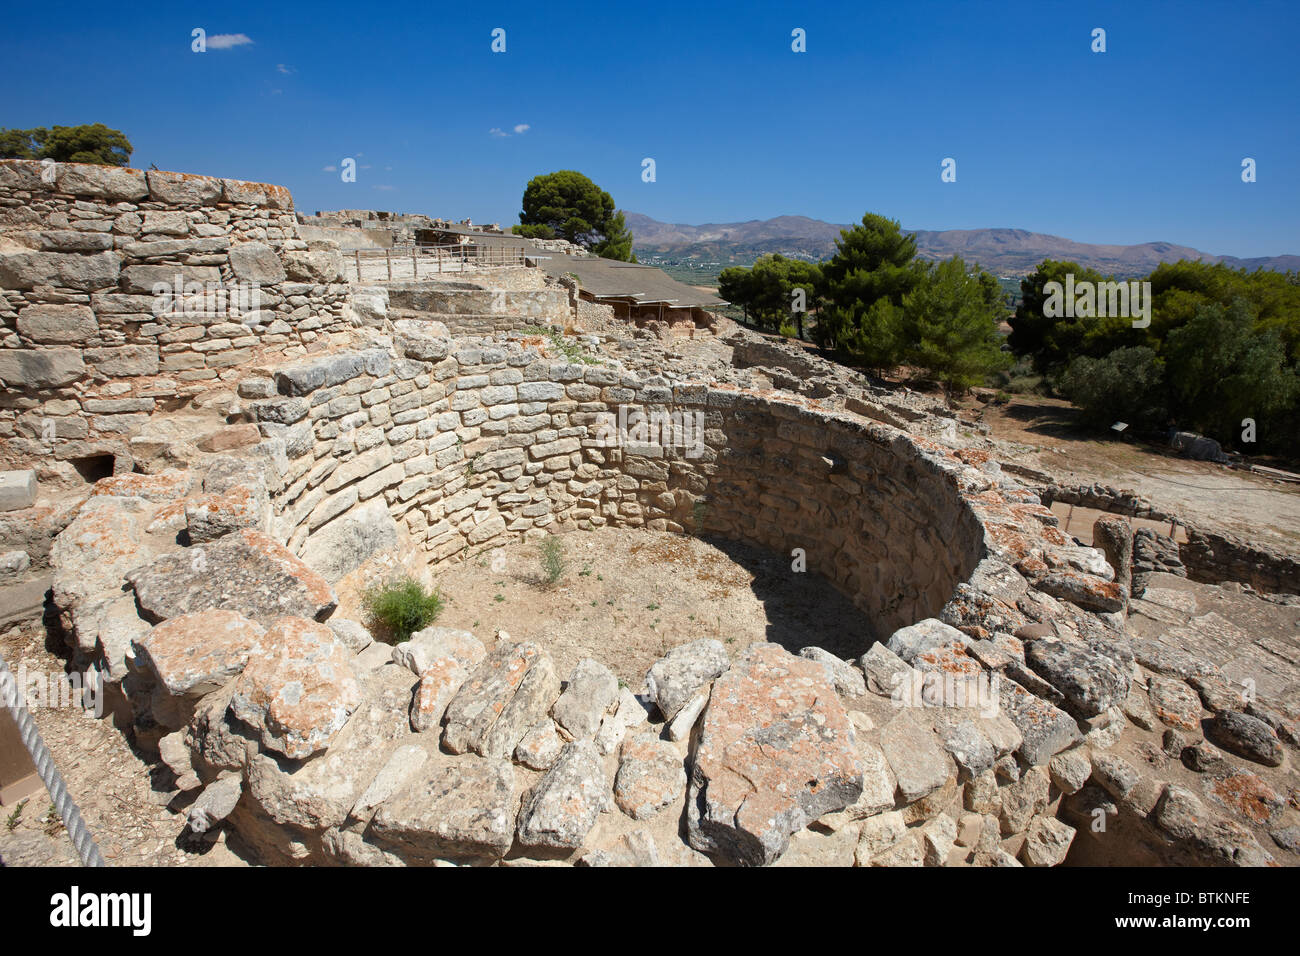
(12, 700)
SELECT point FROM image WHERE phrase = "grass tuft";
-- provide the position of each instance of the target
(552, 558)
(399, 609)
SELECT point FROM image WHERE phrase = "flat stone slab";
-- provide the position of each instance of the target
(298, 689)
(916, 756)
(17, 490)
(1175, 703)
(245, 571)
(458, 809)
(506, 695)
(561, 809)
(591, 691)
(651, 775)
(443, 657)
(1090, 682)
(1047, 730)
(775, 751)
(675, 677)
(195, 654)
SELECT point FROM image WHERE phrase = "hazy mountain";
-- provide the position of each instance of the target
(1001, 251)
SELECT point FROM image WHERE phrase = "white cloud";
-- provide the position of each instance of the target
(285, 69)
(497, 131)
(224, 41)
(522, 128)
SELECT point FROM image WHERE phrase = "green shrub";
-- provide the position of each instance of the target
(398, 609)
(1127, 385)
(552, 558)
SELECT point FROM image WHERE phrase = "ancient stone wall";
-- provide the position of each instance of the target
(1208, 556)
(495, 441)
(88, 347)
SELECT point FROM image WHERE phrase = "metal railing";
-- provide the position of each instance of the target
(412, 260)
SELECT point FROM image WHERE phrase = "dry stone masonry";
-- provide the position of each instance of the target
(1013, 691)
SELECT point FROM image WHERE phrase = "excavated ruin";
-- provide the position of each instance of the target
(215, 481)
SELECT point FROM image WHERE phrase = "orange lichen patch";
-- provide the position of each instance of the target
(318, 589)
(1033, 566)
(196, 653)
(237, 501)
(950, 659)
(974, 456)
(167, 486)
(257, 194)
(1012, 540)
(1249, 795)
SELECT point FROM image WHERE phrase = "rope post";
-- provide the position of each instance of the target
(11, 699)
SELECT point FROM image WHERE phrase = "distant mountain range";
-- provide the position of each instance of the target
(1004, 252)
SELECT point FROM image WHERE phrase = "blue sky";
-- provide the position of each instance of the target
(1141, 143)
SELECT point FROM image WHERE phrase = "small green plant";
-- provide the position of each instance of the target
(552, 558)
(398, 609)
(652, 607)
(499, 598)
(11, 821)
(51, 823)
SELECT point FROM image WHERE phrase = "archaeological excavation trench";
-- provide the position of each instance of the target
(208, 495)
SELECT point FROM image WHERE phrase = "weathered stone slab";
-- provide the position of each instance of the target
(41, 368)
(195, 654)
(927, 635)
(57, 324)
(915, 755)
(504, 697)
(561, 809)
(298, 689)
(847, 680)
(650, 776)
(591, 691)
(458, 810)
(443, 658)
(246, 571)
(17, 490)
(1090, 682)
(775, 751)
(1047, 730)
(345, 543)
(675, 677)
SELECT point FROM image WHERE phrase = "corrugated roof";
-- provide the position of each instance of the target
(611, 279)
(602, 278)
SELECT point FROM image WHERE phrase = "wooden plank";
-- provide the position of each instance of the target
(18, 779)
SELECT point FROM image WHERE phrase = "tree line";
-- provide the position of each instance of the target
(879, 306)
(1219, 357)
(1220, 354)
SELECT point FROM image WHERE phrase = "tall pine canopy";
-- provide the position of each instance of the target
(568, 205)
(863, 286)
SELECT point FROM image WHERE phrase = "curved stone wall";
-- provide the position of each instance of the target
(494, 442)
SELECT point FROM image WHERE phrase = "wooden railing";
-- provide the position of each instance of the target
(425, 259)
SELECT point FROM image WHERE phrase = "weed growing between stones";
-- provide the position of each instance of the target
(399, 609)
(572, 351)
(553, 563)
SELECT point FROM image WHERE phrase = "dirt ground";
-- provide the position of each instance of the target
(628, 596)
(1203, 493)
